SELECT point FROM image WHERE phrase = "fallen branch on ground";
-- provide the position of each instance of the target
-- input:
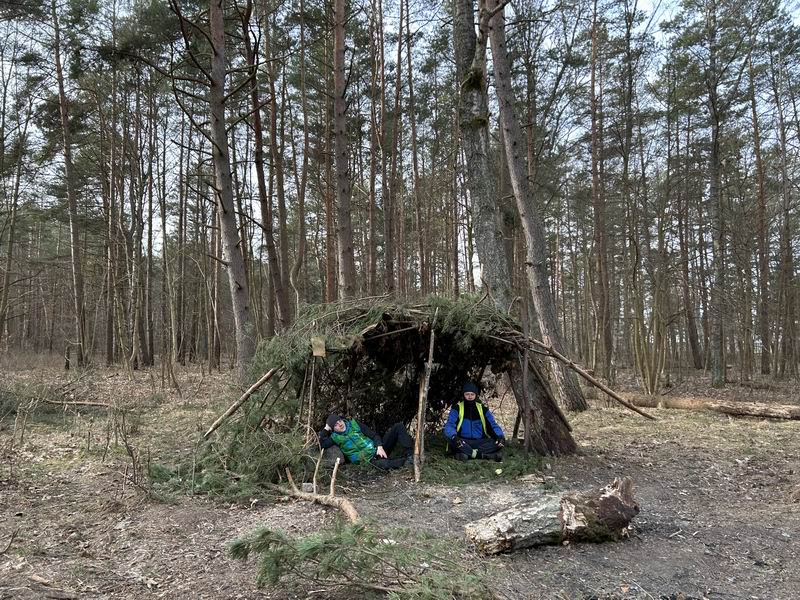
(79, 403)
(10, 541)
(330, 499)
(737, 409)
(596, 516)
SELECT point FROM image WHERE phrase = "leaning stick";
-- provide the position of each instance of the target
(316, 471)
(236, 405)
(341, 503)
(419, 441)
(332, 491)
(596, 382)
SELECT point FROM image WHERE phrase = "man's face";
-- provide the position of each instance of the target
(340, 426)
(469, 396)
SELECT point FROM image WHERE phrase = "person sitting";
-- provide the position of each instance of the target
(471, 429)
(360, 444)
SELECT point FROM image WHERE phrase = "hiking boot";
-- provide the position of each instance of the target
(495, 456)
(460, 456)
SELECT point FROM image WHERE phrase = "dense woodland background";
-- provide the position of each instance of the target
(661, 152)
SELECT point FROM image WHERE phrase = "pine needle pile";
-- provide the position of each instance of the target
(355, 560)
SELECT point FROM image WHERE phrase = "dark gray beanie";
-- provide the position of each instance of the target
(331, 420)
(471, 387)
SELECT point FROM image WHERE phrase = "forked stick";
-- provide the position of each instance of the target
(342, 504)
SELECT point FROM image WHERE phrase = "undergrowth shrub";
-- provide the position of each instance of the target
(362, 559)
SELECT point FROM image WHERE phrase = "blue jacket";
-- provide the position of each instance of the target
(471, 429)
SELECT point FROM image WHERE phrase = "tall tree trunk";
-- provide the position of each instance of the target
(787, 275)
(12, 228)
(683, 240)
(278, 291)
(602, 292)
(375, 156)
(298, 273)
(761, 233)
(421, 258)
(717, 207)
(493, 21)
(344, 228)
(330, 234)
(281, 288)
(72, 200)
(473, 115)
(240, 297)
(393, 197)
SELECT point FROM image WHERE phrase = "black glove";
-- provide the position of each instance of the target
(460, 443)
(499, 443)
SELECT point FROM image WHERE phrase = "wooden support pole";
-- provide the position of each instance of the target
(311, 407)
(236, 405)
(419, 440)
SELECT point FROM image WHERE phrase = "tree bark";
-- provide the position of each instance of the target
(297, 276)
(717, 210)
(602, 291)
(278, 291)
(595, 516)
(421, 257)
(72, 200)
(683, 241)
(761, 225)
(493, 21)
(344, 228)
(549, 432)
(473, 115)
(240, 297)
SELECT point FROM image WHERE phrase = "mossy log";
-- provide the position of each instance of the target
(596, 516)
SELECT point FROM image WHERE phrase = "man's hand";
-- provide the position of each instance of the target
(381, 453)
(499, 443)
(460, 443)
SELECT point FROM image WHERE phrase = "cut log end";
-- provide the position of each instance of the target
(599, 515)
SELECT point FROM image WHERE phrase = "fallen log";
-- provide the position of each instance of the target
(737, 409)
(596, 516)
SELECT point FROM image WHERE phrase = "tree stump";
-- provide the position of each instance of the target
(596, 516)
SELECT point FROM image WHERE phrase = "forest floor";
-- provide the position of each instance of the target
(719, 495)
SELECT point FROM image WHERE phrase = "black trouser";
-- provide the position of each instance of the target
(396, 436)
(484, 446)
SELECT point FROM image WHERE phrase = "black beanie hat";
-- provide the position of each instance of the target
(331, 420)
(471, 387)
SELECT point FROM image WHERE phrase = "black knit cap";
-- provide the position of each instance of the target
(331, 420)
(471, 387)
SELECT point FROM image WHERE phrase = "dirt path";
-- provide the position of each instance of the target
(717, 520)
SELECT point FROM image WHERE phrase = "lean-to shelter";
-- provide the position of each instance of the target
(371, 355)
